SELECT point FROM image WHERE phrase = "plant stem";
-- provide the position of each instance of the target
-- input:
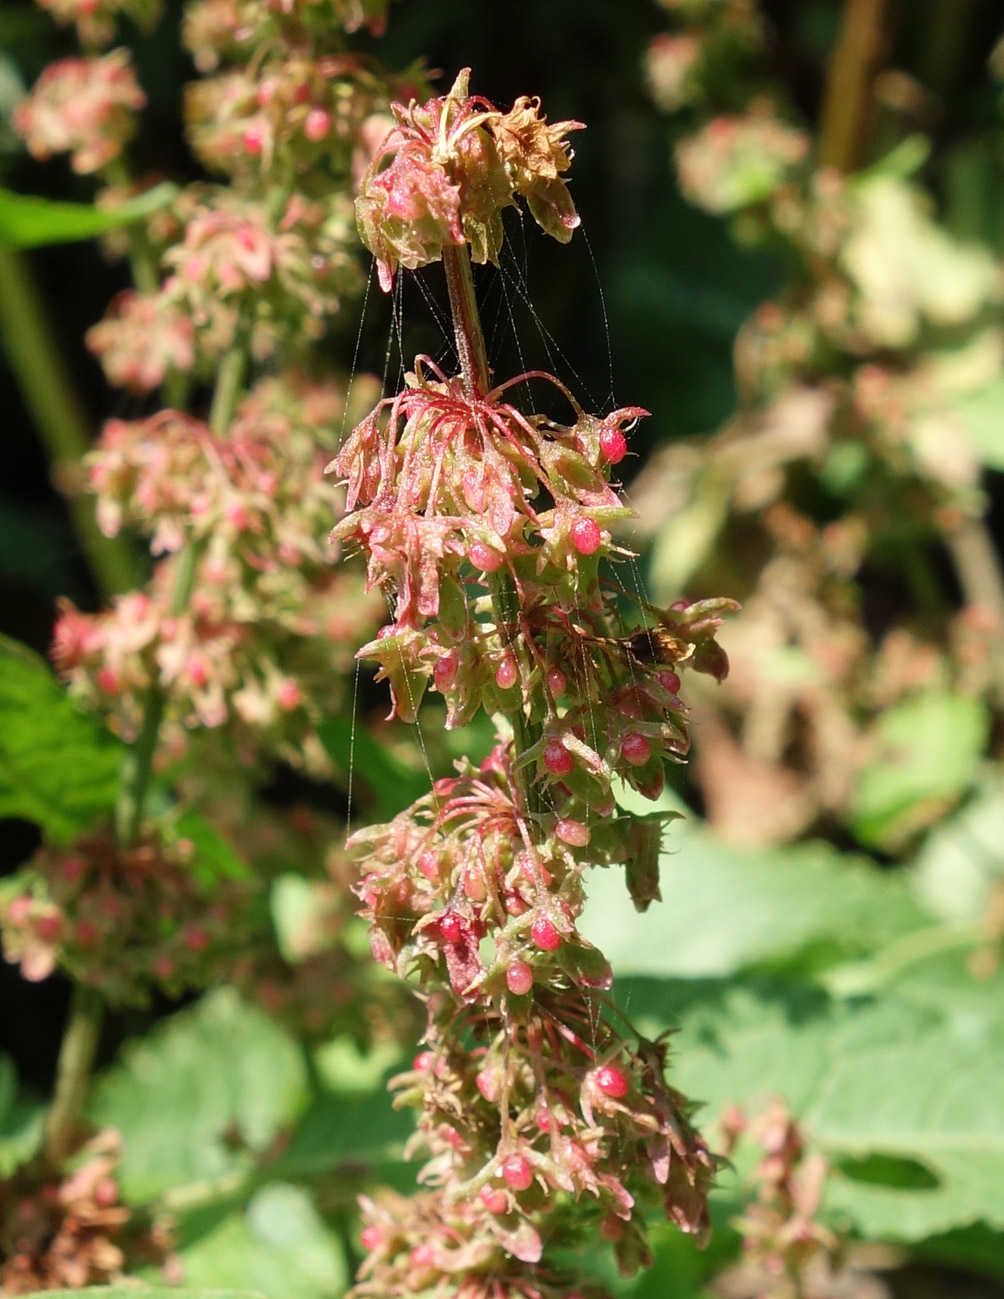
(76, 1059)
(56, 410)
(849, 81)
(476, 377)
(978, 566)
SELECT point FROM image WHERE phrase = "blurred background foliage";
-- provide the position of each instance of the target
(793, 220)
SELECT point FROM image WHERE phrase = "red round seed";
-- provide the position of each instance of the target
(611, 1081)
(669, 681)
(505, 677)
(586, 536)
(544, 934)
(574, 833)
(613, 445)
(451, 928)
(423, 1061)
(483, 557)
(636, 749)
(371, 1237)
(517, 1172)
(556, 681)
(519, 978)
(557, 759)
(494, 1199)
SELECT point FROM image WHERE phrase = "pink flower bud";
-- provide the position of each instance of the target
(557, 759)
(106, 1192)
(317, 124)
(20, 909)
(444, 671)
(636, 749)
(484, 557)
(423, 1256)
(613, 445)
(288, 695)
(371, 1237)
(494, 1199)
(505, 677)
(253, 140)
(517, 1172)
(586, 536)
(428, 864)
(556, 682)
(609, 1079)
(519, 978)
(451, 928)
(48, 926)
(423, 1062)
(669, 681)
(196, 939)
(574, 833)
(544, 934)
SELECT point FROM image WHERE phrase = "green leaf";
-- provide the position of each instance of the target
(393, 784)
(58, 767)
(982, 417)
(897, 1077)
(201, 1097)
(962, 860)
(20, 1121)
(214, 858)
(336, 1130)
(727, 908)
(278, 1244)
(27, 221)
(926, 756)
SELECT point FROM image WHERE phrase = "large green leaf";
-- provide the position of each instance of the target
(20, 1121)
(913, 1079)
(27, 221)
(58, 767)
(201, 1097)
(926, 756)
(725, 908)
(278, 1244)
(982, 417)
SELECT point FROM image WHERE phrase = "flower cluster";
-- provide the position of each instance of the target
(447, 169)
(84, 107)
(70, 1233)
(486, 528)
(124, 920)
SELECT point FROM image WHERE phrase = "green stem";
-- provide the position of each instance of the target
(230, 379)
(850, 80)
(38, 367)
(142, 258)
(76, 1059)
(476, 377)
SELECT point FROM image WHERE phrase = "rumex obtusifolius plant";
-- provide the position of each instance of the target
(487, 526)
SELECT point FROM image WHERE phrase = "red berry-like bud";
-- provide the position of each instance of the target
(669, 681)
(494, 1199)
(543, 1119)
(483, 557)
(505, 677)
(48, 926)
(519, 978)
(288, 695)
(196, 939)
(371, 1237)
(428, 864)
(557, 759)
(451, 928)
(574, 833)
(586, 536)
(106, 1192)
(317, 125)
(444, 671)
(636, 749)
(423, 1062)
(544, 934)
(610, 1081)
(422, 1256)
(517, 1172)
(254, 139)
(556, 682)
(613, 445)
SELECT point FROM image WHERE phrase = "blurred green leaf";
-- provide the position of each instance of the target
(58, 767)
(278, 1244)
(892, 1076)
(144, 1292)
(201, 1097)
(214, 858)
(335, 1130)
(20, 1121)
(27, 221)
(982, 416)
(926, 754)
(962, 860)
(393, 784)
(725, 908)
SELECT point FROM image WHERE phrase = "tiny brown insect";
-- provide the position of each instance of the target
(654, 645)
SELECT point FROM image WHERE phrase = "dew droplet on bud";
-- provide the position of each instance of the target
(505, 677)
(574, 833)
(517, 1172)
(557, 759)
(586, 536)
(519, 978)
(613, 445)
(609, 1079)
(544, 934)
(636, 749)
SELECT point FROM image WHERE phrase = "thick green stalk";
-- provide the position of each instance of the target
(76, 1059)
(850, 79)
(476, 376)
(48, 393)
